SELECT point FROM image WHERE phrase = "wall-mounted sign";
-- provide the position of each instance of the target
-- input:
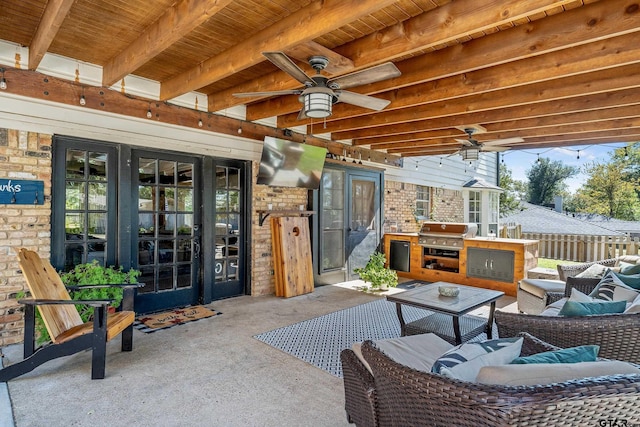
(20, 192)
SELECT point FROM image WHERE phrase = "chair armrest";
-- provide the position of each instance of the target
(93, 303)
(113, 285)
(554, 296)
(532, 345)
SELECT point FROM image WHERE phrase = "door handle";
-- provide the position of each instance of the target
(196, 248)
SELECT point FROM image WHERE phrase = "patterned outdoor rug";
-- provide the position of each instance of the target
(319, 341)
(167, 319)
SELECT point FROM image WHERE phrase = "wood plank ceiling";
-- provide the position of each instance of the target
(540, 72)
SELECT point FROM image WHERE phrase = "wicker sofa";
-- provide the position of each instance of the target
(616, 334)
(402, 396)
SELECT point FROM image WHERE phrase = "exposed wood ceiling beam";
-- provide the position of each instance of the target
(519, 126)
(589, 83)
(600, 55)
(301, 26)
(52, 19)
(449, 61)
(621, 98)
(565, 130)
(178, 21)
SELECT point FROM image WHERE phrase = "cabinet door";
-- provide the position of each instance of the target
(493, 264)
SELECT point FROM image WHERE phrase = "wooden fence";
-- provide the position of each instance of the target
(583, 248)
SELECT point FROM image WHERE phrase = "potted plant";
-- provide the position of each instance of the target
(375, 273)
(93, 273)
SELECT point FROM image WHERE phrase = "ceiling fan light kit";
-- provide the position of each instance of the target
(470, 153)
(317, 102)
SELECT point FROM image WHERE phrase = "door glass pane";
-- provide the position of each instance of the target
(332, 220)
(165, 279)
(227, 223)
(363, 206)
(185, 174)
(185, 200)
(147, 170)
(167, 172)
(74, 195)
(97, 166)
(97, 196)
(75, 164)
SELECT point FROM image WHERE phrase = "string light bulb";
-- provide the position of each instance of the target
(83, 100)
(578, 154)
(416, 165)
(440, 165)
(538, 161)
(199, 123)
(3, 81)
(149, 113)
(626, 153)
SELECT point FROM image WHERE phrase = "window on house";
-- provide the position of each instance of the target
(475, 208)
(494, 207)
(423, 201)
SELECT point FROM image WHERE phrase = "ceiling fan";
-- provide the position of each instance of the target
(471, 148)
(320, 93)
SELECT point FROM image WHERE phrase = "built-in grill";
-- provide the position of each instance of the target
(446, 235)
(442, 243)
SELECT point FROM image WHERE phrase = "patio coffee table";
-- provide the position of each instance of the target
(463, 328)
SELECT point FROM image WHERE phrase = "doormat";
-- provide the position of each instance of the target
(167, 319)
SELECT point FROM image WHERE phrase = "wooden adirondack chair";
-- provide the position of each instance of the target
(69, 334)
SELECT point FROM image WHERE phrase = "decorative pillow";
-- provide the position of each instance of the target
(575, 308)
(611, 288)
(634, 307)
(595, 271)
(578, 296)
(464, 361)
(629, 268)
(631, 280)
(582, 353)
(551, 373)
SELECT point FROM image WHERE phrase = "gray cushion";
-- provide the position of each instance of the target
(540, 287)
(416, 351)
(549, 373)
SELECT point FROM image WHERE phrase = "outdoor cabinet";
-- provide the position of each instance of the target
(493, 264)
(399, 255)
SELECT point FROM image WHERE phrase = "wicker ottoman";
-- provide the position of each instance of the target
(532, 294)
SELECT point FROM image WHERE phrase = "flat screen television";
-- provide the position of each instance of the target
(290, 164)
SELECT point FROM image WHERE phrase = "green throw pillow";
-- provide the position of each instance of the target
(575, 308)
(628, 268)
(583, 353)
(631, 280)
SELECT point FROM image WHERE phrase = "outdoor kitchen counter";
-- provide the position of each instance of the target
(490, 263)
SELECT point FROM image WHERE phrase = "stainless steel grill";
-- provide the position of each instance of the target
(446, 236)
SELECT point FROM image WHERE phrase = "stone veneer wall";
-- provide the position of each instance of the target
(262, 277)
(400, 205)
(23, 156)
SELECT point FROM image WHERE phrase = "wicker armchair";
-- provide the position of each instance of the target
(406, 397)
(568, 270)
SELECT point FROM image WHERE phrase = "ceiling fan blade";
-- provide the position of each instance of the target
(282, 61)
(369, 75)
(494, 149)
(467, 142)
(360, 100)
(503, 141)
(272, 93)
(301, 114)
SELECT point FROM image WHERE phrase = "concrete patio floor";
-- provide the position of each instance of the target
(204, 373)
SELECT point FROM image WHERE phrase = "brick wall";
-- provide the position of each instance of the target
(400, 205)
(23, 156)
(262, 278)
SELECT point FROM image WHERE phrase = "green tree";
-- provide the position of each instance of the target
(514, 191)
(628, 159)
(546, 179)
(608, 192)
